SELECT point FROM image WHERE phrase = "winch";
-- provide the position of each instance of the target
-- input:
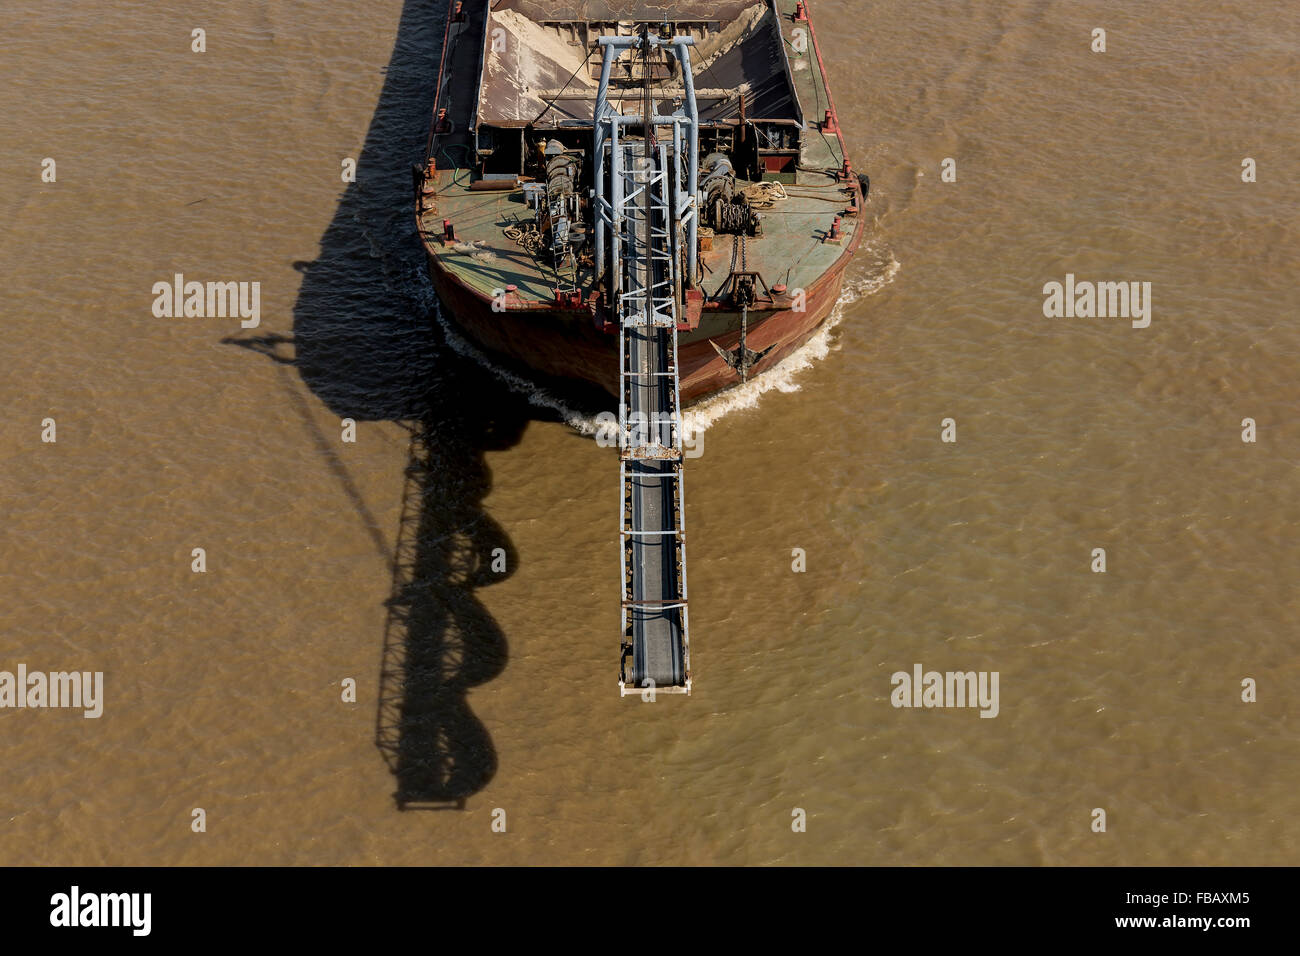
(561, 213)
(725, 209)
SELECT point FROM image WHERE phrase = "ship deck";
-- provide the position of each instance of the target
(791, 249)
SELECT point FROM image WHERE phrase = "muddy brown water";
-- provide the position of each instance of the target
(1119, 691)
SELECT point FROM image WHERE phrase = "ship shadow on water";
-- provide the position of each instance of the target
(366, 343)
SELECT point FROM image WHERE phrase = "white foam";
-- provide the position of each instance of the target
(782, 376)
(530, 390)
(696, 418)
(420, 286)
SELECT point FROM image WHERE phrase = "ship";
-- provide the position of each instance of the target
(780, 207)
(647, 199)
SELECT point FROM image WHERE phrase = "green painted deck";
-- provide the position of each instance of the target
(790, 251)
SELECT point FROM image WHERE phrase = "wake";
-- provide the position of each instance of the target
(782, 377)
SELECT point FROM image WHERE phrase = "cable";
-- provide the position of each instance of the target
(455, 179)
(547, 107)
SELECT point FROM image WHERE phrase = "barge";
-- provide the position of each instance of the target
(651, 198)
(506, 204)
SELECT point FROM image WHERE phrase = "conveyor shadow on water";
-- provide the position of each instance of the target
(439, 641)
(365, 345)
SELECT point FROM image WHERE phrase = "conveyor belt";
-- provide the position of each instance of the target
(650, 222)
(654, 573)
